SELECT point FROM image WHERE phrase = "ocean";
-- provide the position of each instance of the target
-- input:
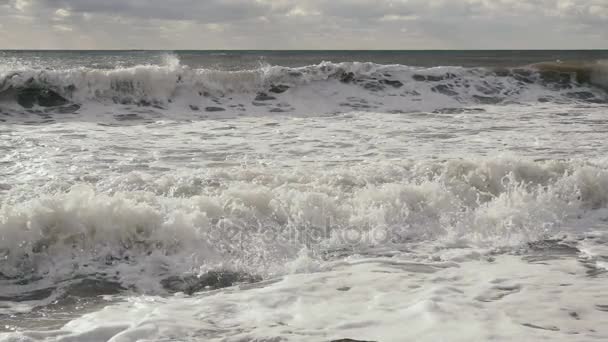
(303, 196)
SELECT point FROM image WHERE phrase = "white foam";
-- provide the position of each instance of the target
(256, 227)
(379, 299)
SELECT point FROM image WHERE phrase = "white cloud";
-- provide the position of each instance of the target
(62, 13)
(22, 5)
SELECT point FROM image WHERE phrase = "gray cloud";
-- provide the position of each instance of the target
(316, 24)
(207, 10)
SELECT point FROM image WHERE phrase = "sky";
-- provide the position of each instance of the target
(303, 24)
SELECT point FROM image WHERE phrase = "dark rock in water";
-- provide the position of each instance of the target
(278, 89)
(195, 108)
(347, 77)
(214, 109)
(444, 89)
(29, 97)
(348, 340)
(277, 110)
(394, 83)
(209, 281)
(264, 97)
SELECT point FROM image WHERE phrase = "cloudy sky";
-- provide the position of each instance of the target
(303, 24)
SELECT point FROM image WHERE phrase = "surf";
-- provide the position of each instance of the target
(146, 237)
(340, 87)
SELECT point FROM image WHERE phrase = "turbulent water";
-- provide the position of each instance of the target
(303, 196)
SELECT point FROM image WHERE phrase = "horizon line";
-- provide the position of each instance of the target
(289, 50)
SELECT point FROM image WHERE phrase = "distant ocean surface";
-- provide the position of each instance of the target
(303, 195)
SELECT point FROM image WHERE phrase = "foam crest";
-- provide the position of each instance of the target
(257, 227)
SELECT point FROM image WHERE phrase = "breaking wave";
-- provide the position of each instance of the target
(339, 87)
(148, 230)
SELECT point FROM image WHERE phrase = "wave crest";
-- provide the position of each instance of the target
(404, 87)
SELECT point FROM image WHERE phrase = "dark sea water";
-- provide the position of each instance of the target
(235, 60)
